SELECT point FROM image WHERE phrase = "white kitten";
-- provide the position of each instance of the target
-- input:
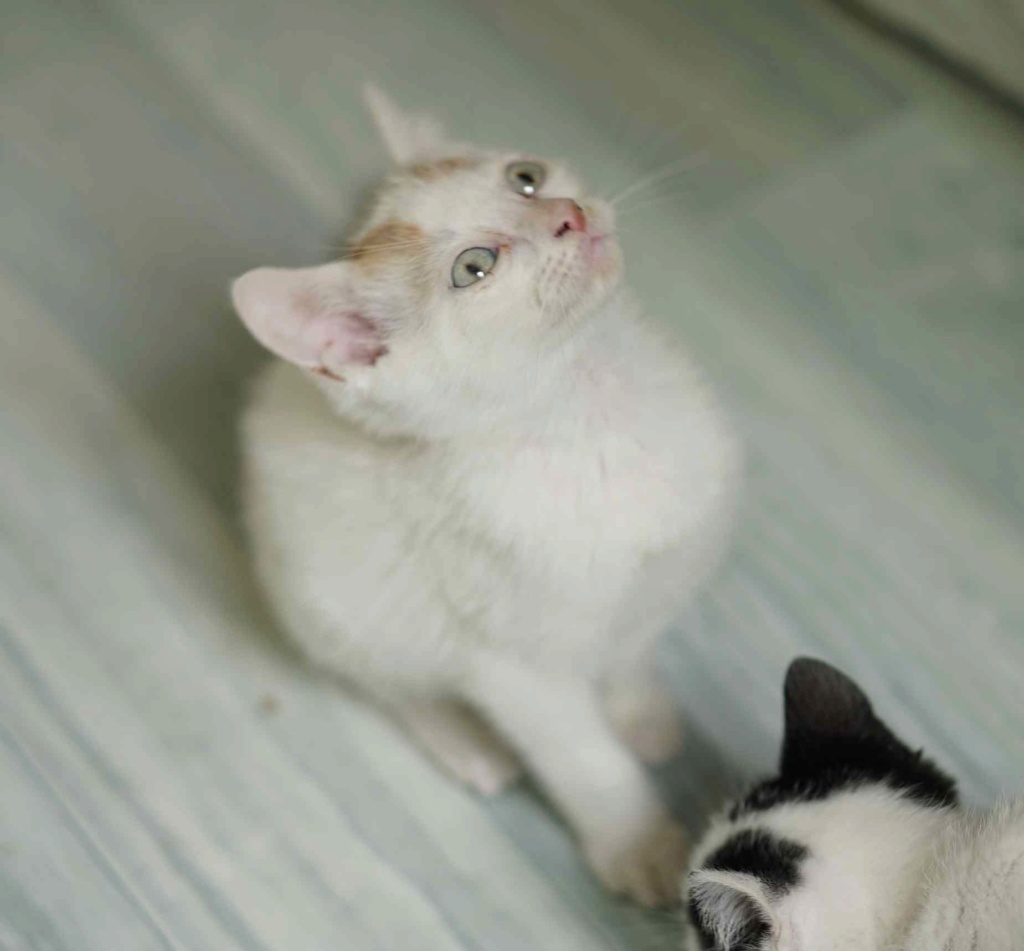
(856, 846)
(482, 484)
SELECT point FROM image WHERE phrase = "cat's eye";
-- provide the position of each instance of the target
(525, 177)
(472, 265)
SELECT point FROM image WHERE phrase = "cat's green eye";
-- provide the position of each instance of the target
(472, 265)
(525, 177)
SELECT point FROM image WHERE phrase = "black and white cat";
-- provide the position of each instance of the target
(857, 845)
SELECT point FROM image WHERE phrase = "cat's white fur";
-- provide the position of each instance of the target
(490, 500)
(974, 890)
(884, 873)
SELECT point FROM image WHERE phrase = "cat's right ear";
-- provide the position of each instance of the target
(409, 137)
(310, 317)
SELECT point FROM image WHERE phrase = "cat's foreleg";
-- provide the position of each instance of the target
(643, 712)
(557, 725)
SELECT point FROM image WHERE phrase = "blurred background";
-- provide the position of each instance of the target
(843, 248)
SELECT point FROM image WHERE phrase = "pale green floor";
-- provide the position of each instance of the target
(849, 264)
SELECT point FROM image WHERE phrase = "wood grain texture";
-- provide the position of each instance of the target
(847, 262)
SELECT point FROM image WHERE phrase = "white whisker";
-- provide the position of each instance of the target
(654, 201)
(679, 167)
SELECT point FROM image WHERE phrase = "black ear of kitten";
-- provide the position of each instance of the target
(833, 741)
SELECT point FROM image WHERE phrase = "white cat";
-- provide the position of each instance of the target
(482, 484)
(857, 845)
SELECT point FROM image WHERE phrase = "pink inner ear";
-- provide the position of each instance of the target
(308, 318)
(334, 339)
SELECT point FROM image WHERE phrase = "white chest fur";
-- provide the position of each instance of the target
(630, 458)
(537, 535)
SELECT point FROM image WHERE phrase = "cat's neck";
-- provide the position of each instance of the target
(565, 391)
(611, 373)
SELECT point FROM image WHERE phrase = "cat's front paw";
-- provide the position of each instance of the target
(647, 721)
(645, 865)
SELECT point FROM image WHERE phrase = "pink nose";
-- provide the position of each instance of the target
(564, 215)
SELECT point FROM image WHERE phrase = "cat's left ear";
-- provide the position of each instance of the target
(825, 710)
(832, 729)
(729, 909)
(409, 137)
(311, 317)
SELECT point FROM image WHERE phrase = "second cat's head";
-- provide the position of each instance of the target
(830, 854)
(472, 269)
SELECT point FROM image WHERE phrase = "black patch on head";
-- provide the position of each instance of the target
(773, 861)
(834, 742)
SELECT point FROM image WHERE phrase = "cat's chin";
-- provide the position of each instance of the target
(603, 263)
(602, 251)
(603, 260)
(587, 309)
